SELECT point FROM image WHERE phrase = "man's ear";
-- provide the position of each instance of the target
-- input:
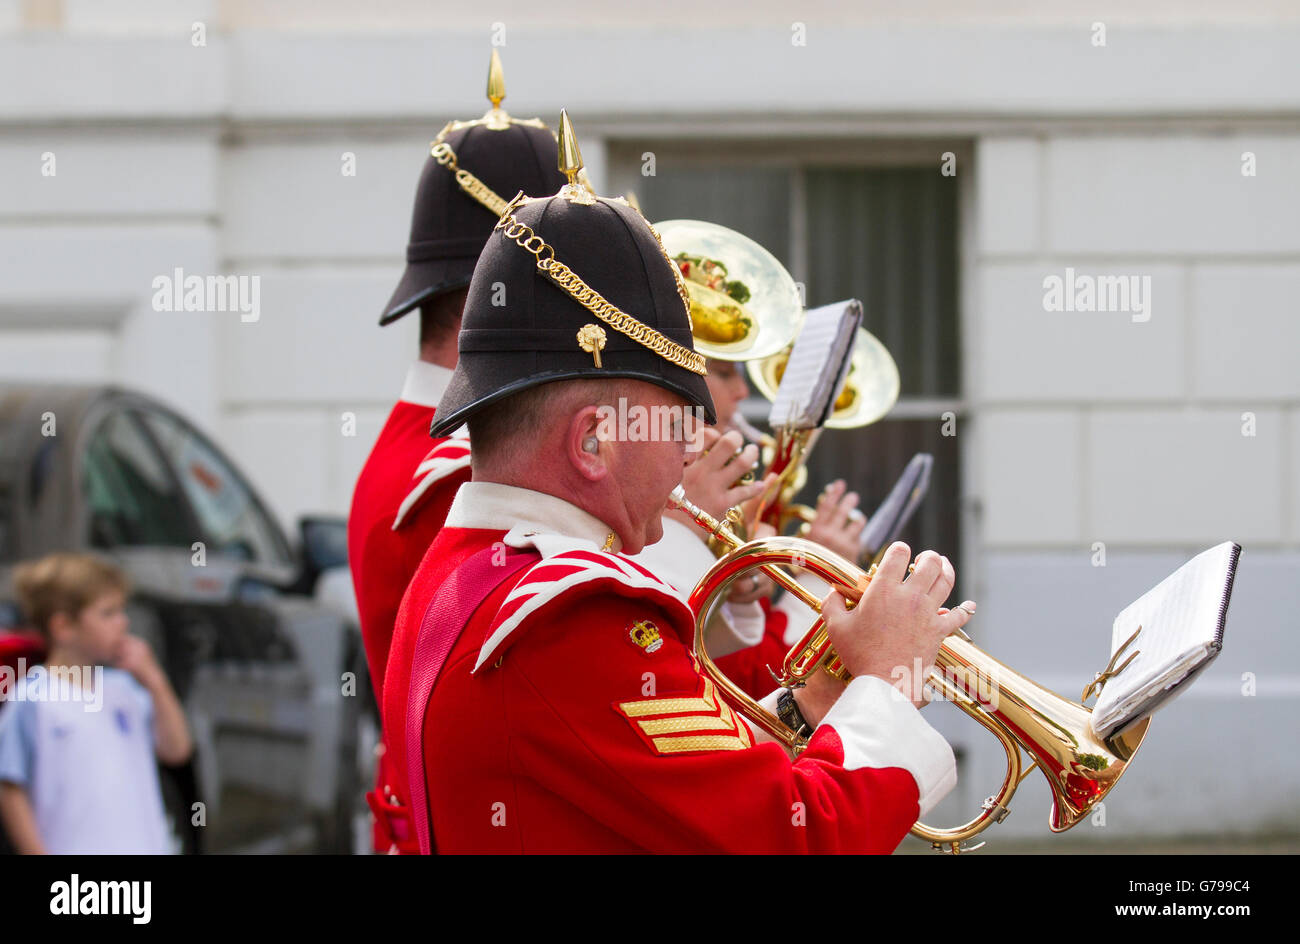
(586, 445)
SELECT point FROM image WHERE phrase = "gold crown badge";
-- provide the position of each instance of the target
(645, 635)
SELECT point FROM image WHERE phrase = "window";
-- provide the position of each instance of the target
(132, 497)
(228, 512)
(875, 221)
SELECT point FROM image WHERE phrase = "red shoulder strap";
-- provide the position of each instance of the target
(446, 617)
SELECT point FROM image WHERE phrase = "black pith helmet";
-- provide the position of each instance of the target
(523, 327)
(453, 216)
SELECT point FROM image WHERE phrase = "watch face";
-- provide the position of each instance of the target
(788, 710)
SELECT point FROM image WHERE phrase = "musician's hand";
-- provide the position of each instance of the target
(756, 585)
(895, 631)
(710, 481)
(762, 500)
(838, 524)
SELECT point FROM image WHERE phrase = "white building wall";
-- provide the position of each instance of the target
(1094, 429)
(1082, 428)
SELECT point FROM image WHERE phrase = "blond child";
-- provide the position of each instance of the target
(79, 734)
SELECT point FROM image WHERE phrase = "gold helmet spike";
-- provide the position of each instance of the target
(496, 86)
(570, 155)
(496, 118)
(577, 189)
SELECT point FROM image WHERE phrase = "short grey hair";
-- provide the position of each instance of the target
(514, 419)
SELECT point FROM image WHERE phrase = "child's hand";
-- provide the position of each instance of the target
(134, 656)
(171, 734)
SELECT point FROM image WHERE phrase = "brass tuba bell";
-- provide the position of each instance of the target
(1053, 731)
(743, 302)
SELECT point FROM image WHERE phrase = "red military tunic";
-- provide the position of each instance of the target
(400, 501)
(571, 717)
(682, 558)
(747, 638)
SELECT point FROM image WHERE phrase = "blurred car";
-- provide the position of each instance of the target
(273, 680)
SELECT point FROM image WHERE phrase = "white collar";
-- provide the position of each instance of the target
(425, 384)
(529, 518)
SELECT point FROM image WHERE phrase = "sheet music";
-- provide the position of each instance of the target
(1182, 620)
(817, 366)
(896, 510)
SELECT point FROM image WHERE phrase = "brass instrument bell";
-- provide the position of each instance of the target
(743, 302)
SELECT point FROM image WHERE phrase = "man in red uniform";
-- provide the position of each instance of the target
(554, 703)
(409, 479)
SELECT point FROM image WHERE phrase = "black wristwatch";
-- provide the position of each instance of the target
(788, 711)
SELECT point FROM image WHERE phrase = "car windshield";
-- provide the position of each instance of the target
(224, 504)
(133, 501)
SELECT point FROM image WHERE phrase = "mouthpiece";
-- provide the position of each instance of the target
(678, 499)
(703, 519)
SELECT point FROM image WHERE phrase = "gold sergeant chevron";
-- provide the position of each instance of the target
(680, 725)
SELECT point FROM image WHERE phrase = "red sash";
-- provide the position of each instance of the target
(446, 617)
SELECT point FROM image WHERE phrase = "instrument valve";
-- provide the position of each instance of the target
(997, 811)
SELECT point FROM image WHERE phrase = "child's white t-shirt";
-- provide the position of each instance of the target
(89, 773)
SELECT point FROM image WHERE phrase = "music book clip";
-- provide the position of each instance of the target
(1108, 673)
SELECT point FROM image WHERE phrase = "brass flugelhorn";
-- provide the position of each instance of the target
(1053, 731)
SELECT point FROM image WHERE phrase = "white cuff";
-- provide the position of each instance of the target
(880, 727)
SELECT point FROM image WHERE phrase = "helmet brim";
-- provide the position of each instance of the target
(470, 391)
(422, 281)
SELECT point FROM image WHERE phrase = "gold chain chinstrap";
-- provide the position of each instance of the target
(586, 296)
(442, 153)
